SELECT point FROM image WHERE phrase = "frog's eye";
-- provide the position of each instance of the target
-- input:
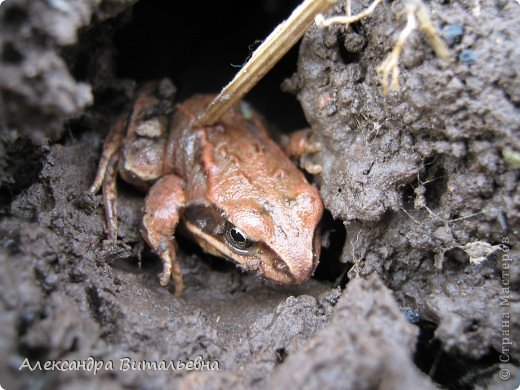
(237, 238)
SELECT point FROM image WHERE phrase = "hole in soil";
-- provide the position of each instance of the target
(24, 163)
(27, 319)
(456, 258)
(102, 311)
(435, 181)
(15, 15)
(334, 234)
(95, 303)
(409, 195)
(473, 326)
(11, 55)
(281, 354)
(196, 49)
(348, 57)
(451, 371)
(357, 27)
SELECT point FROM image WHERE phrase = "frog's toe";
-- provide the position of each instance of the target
(165, 275)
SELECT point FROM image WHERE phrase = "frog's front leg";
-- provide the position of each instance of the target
(299, 146)
(162, 209)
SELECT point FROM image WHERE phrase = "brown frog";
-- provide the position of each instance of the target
(235, 191)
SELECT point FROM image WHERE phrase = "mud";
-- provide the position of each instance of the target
(420, 173)
(425, 292)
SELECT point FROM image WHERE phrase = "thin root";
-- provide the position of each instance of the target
(390, 66)
(417, 15)
(348, 18)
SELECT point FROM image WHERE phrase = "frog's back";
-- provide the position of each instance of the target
(236, 148)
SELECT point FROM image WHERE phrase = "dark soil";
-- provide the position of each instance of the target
(421, 291)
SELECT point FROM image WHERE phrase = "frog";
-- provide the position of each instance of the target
(229, 186)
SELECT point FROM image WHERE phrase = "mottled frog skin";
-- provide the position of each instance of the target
(234, 189)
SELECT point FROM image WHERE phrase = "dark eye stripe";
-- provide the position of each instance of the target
(210, 220)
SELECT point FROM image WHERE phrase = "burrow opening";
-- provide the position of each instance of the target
(449, 370)
(201, 50)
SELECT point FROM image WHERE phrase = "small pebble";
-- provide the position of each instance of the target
(467, 57)
(411, 315)
(453, 33)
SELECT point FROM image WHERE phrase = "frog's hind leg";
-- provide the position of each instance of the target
(134, 147)
(107, 173)
(110, 197)
(161, 215)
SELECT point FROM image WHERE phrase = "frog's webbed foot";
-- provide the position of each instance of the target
(161, 216)
(300, 146)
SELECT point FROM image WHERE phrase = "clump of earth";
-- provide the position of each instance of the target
(418, 283)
